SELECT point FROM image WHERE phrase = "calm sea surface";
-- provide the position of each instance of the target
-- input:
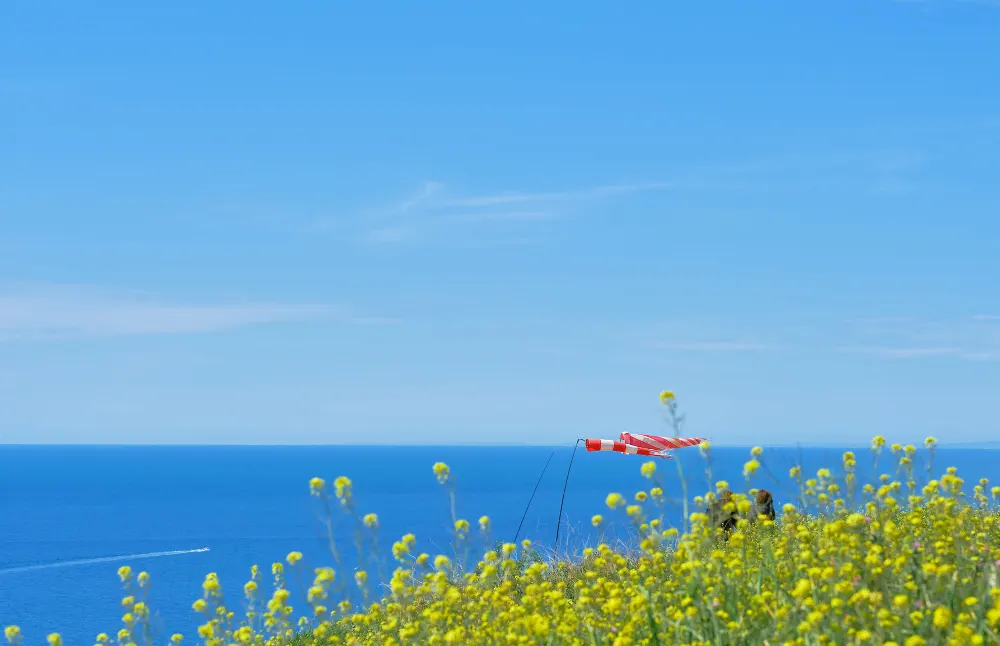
(70, 516)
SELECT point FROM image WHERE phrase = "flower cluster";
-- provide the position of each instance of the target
(886, 563)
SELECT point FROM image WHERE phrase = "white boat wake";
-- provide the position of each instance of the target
(103, 559)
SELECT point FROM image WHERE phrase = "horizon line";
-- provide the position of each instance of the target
(461, 445)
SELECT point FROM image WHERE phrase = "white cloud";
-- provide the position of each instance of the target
(68, 311)
(520, 198)
(504, 199)
(974, 338)
(430, 208)
(904, 352)
(438, 212)
(390, 235)
(512, 216)
(712, 346)
(412, 202)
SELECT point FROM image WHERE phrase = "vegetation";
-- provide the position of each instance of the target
(885, 563)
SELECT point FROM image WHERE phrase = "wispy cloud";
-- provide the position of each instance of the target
(904, 352)
(390, 234)
(499, 215)
(505, 198)
(66, 312)
(973, 338)
(713, 346)
(416, 200)
(431, 209)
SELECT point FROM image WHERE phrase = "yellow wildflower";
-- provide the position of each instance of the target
(442, 472)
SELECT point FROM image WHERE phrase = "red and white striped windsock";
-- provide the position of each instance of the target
(622, 447)
(657, 443)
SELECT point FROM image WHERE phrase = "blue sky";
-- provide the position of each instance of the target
(450, 222)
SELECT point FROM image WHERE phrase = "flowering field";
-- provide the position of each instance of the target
(910, 560)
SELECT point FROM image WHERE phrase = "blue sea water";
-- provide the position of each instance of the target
(71, 516)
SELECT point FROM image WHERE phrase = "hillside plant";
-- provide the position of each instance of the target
(893, 562)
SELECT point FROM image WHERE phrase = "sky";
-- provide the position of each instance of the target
(450, 222)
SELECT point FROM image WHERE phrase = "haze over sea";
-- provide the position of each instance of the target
(71, 515)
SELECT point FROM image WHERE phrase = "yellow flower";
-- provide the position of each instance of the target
(704, 447)
(177, 638)
(666, 397)
(316, 485)
(851, 567)
(878, 442)
(441, 471)
(756, 451)
(721, 485)
(942, 617)
(648, 469)
(342, 488)
(211, 584)
(54, 639)
(930, 442)
(124, 573)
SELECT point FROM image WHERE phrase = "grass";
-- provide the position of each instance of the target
(887, 563)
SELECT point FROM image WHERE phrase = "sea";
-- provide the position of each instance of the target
(70, 516)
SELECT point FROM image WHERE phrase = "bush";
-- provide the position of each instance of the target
(891, 563)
